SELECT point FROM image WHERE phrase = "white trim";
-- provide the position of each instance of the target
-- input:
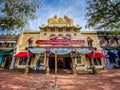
(8, 41)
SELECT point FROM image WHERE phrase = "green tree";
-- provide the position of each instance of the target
(14, 14)
(103, 14)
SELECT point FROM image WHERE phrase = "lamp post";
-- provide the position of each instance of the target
(55, 85)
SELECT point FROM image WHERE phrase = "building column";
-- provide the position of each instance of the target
(12, 62)
(103, 63)
(47, 66)
(85, 62)
(47, 55)
(73, 66)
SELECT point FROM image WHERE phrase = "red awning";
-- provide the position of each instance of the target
(24, 54)
(96, 55)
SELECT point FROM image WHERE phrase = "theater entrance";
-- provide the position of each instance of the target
(64, 64)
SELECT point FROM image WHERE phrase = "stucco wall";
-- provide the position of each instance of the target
(23, 43)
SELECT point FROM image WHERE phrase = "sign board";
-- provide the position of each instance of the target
(60, 42)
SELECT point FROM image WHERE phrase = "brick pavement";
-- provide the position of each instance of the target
(16, 80)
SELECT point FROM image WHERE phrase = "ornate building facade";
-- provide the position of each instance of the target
(62, 38)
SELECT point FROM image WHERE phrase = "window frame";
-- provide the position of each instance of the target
(78, 59)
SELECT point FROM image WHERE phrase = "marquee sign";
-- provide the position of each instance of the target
(60, 42)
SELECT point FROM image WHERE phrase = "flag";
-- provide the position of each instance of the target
(29, 39)
(90, 39)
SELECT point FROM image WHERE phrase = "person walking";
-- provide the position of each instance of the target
(38, 67)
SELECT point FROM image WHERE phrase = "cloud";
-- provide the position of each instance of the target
(72, 8)
(61, 1)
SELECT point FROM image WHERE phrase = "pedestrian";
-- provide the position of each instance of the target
(38, 67)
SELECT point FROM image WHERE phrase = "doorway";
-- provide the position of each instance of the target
(8, 62)
(63, 64)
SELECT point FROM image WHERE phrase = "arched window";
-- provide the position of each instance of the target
(52, 36)
(60, 36)
(68, 36)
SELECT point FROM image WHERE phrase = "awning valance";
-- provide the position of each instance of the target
(24, 54)
(6, 52)
(83, 50)
(96, 54)
(60, 51)
(37, 50)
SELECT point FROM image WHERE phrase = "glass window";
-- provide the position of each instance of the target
(45, 30)
(52, 36)
(53, 30)
(60, 36)
(79, 60)
(60, 30)
(22, 61)
(41, 60)
(67, 30)
(68, 36)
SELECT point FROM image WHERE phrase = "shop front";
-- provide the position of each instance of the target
(71, 59)
(6, 58)
(59, 41)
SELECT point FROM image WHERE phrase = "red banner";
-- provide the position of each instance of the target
(60, 42)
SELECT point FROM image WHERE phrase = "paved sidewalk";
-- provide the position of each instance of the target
(15, 80)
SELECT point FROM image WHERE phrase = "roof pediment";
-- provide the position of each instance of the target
(60, 22)
(54, 21)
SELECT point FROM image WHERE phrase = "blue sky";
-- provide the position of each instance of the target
(75, 9)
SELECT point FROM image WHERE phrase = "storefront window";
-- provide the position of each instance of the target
(41, 59)
(97, 61)
(79, 60)
(22, 61)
